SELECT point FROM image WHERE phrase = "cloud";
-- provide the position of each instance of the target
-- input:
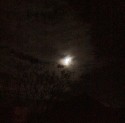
(51, 30)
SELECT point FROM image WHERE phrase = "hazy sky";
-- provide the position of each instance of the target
(47, 30)
(90, 30)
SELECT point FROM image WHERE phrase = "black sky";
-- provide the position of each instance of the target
(90, 30)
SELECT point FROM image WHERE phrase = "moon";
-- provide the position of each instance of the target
(66, 61)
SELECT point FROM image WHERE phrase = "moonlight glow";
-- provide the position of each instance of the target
(66, 61)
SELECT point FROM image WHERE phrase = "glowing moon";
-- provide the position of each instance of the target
(66, 61)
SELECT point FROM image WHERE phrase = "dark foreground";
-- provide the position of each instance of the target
(83, 110)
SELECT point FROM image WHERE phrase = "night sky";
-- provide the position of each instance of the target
(89, 30)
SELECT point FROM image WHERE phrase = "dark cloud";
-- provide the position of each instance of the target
(92, 31)
(47, 30)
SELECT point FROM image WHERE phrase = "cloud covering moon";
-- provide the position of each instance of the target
(48, 31)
